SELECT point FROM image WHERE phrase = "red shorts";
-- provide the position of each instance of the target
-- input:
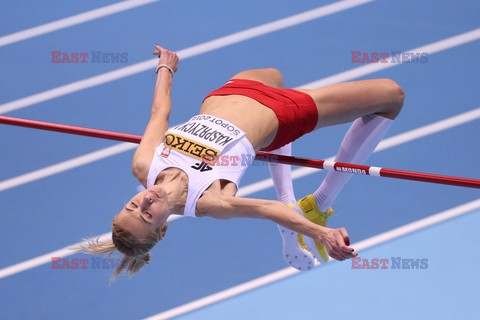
(296, 111)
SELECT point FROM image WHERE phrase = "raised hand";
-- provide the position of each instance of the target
(166, 57)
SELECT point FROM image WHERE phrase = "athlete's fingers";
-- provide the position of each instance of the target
(334, 255)
(158, 50)
(345, 236)
(338, 254)
(339, 257)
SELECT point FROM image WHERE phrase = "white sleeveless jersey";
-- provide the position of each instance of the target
(206, 148)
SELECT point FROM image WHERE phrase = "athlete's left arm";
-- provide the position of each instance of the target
(223, 207)
(158, 123)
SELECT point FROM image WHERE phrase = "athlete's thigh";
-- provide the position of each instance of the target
(269, 76)
(344, 102)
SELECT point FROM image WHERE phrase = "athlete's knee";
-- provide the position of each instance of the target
(269, 76)
(276, 76)
(396, 97)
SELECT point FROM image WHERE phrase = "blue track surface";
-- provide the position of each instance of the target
(442, 289)
(200, 257)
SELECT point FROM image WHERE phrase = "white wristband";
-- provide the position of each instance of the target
(164, 66)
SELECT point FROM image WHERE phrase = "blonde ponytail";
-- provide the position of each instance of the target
(135, 252)
(94, 246)
(131, 264)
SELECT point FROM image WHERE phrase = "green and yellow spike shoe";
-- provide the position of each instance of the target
(310, 210)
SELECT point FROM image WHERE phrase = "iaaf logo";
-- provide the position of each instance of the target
(93, 57)
(396, 57)
(396, 263)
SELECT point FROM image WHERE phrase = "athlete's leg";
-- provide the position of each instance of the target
(345, 102)
(294, 251)
(374, 104)
(282, 176)
(269, 76)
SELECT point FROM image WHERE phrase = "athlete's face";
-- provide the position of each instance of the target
(146, 212)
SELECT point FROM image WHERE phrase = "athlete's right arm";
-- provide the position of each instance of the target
(158, 123)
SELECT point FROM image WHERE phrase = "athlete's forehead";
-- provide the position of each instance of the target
(133, 222)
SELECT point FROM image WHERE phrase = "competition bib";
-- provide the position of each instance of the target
(203, 137)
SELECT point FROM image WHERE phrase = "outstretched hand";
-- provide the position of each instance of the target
(331, 242)
(337, 243)
(167, 57)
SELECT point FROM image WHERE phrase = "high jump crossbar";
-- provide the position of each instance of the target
(262, 156)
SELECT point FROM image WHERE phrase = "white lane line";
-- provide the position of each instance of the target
(183, 54)
(435, 127)
(225, 294)
(284, 273)
(266, 183)
(72, 20)
(47, 258)
(431, 48)
(66, 165)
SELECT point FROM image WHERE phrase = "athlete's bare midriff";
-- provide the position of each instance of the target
(259, 122)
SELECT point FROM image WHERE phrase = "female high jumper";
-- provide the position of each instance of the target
(253, 111)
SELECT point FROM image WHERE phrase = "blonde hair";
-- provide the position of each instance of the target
(135, 252)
